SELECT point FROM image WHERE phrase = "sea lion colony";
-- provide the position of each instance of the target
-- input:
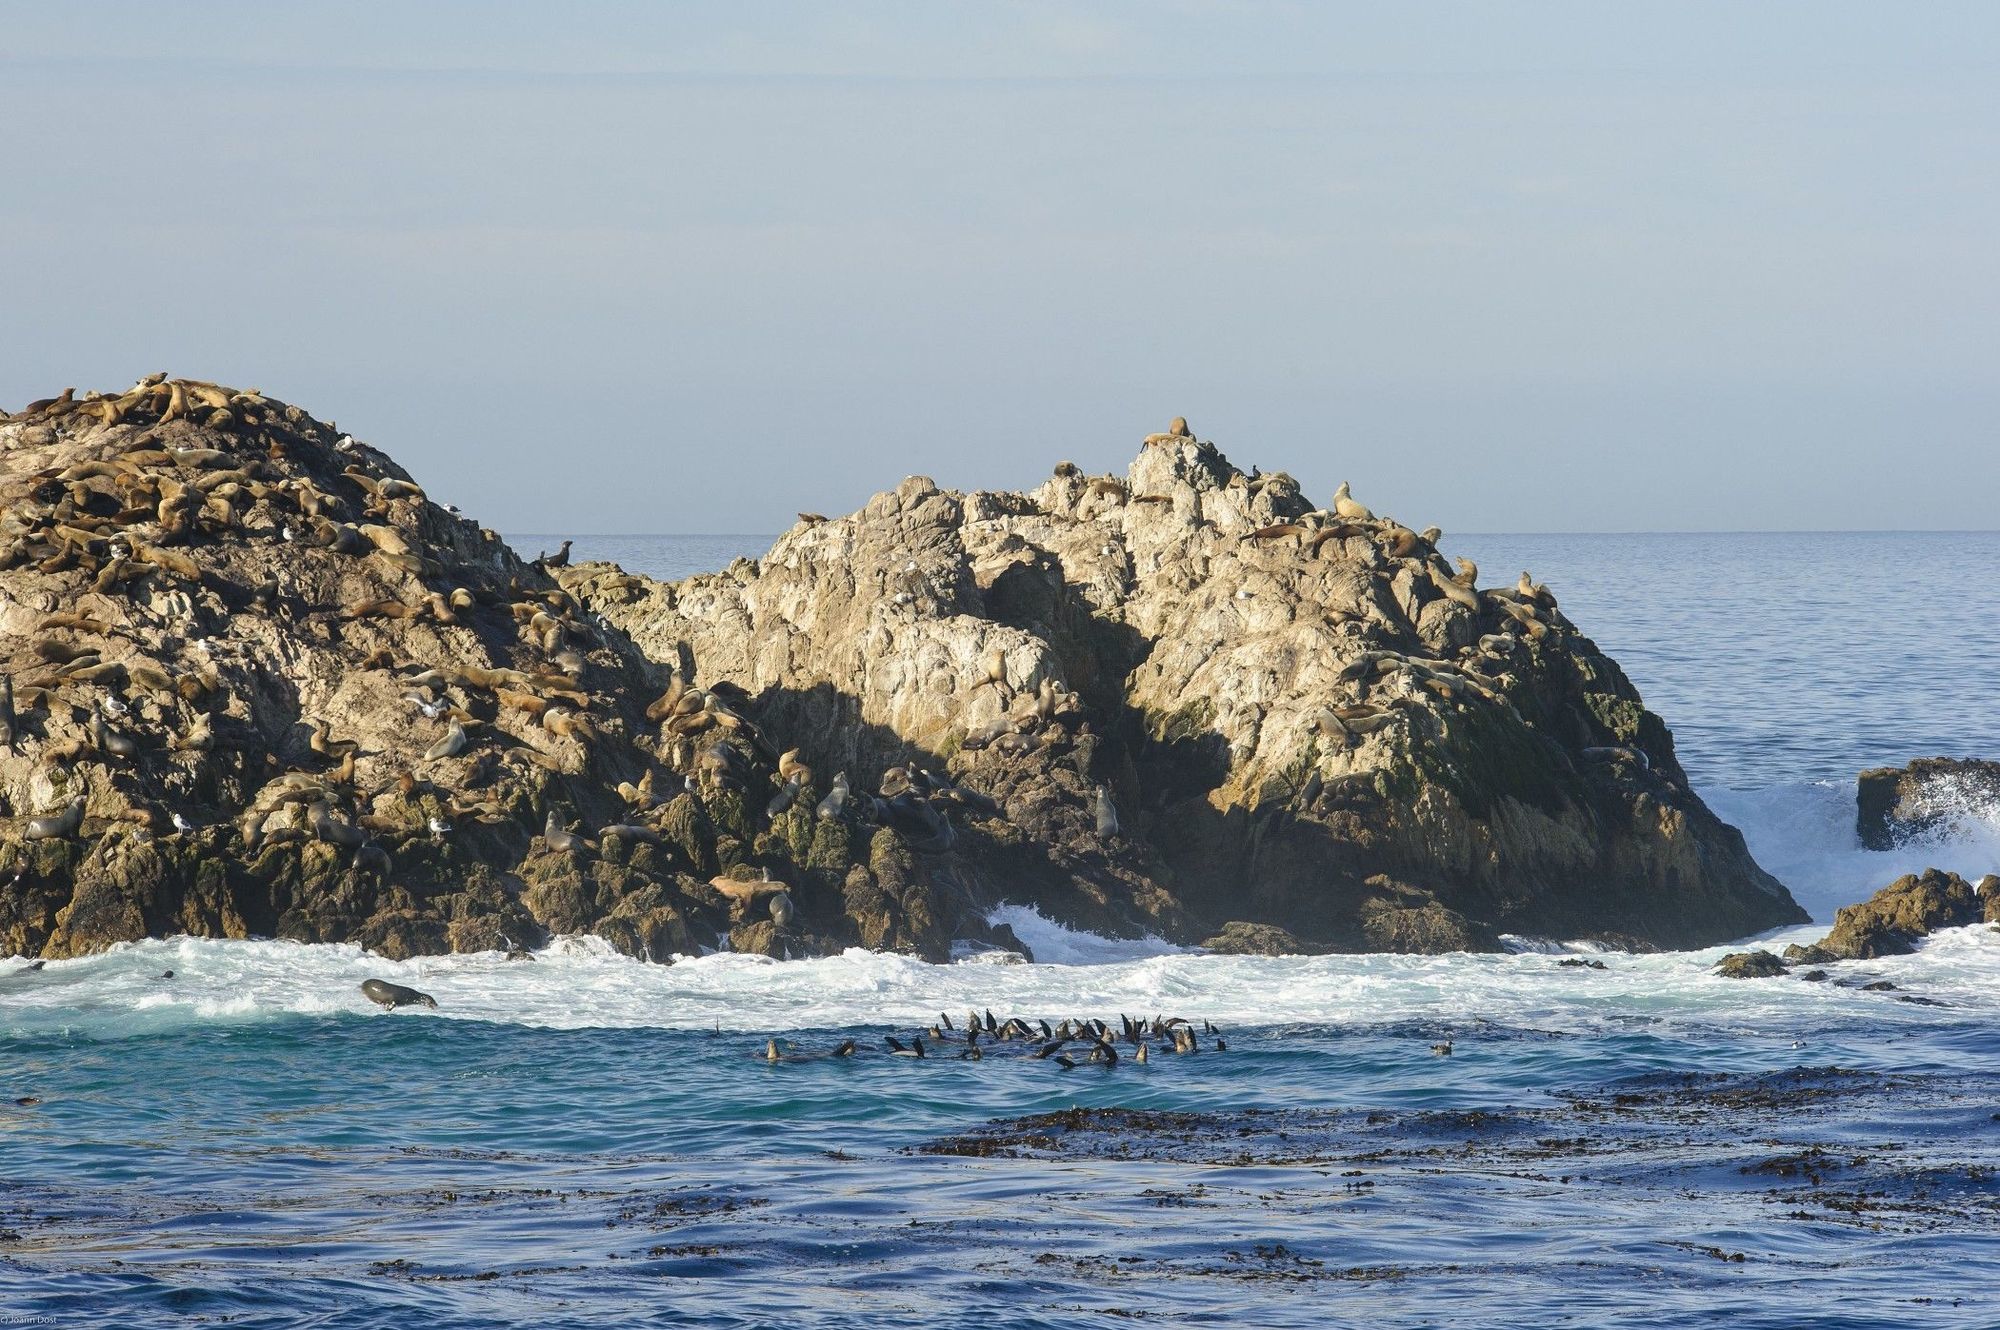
(254, 682)
(174, 601)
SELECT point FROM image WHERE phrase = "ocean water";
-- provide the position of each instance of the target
(584, 1140)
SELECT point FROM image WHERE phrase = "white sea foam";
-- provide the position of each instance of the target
(1805, 836)
(1803, 833)
(577, 983)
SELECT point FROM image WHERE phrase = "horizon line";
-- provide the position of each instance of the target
(1744, 531)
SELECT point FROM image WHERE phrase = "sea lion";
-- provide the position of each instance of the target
(787, 795)
(834, 806)
(392, 996)
(558, 836)
(326, 745)
(811, 519)
(560, 559)
(1107, 815)
(57, 826)
(1344, 505)
(451, 745)
(782, 910)
(7, 713)
(372, 861)
(48, 404)
(324, 828)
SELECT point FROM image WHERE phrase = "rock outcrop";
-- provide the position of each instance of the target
(1895, 805)
(1757, 964)
(258, 684)
(254, 683)
(1896, 918)
(1193, 697)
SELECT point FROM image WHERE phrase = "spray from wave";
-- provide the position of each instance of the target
(1805, 835)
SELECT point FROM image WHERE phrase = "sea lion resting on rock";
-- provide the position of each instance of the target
(57, 826)
(392, 996)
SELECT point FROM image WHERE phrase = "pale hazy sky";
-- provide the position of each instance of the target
(656, 267)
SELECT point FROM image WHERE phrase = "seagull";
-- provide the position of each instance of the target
(113, 707)
(431, 709)
(182, 824)
(439, 827)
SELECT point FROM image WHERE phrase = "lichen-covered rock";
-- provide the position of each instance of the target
(1758, 964)
(1894, 805)
(1188, 695)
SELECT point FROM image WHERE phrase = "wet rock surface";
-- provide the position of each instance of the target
(1193, 696)
(1750, 965)
(258, 684)
(1895, 805)
(1896, 918)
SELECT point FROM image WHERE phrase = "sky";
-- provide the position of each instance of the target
(659, 267)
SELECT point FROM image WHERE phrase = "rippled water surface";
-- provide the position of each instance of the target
(583, 1140)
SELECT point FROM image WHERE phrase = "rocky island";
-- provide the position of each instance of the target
(259, 684)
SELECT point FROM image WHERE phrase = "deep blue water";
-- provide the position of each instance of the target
(587, 1141)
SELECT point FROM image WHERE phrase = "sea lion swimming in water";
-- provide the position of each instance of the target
(392, 996)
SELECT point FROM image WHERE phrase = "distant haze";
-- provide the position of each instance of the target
(651, 267)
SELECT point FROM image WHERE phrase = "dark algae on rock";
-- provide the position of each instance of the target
(259, 684)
